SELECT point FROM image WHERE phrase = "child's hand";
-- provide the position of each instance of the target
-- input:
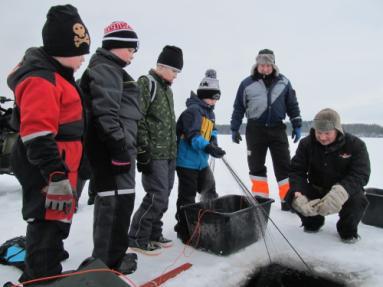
(214, 151)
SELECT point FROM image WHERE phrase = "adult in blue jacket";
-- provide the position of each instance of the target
(197, 139)
(266, 96)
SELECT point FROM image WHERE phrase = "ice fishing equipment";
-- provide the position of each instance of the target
(374, 212)
(228, 224)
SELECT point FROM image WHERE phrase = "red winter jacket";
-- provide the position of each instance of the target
(50, 123)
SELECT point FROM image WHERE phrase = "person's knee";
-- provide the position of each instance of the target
(313, 222)
(358, 199)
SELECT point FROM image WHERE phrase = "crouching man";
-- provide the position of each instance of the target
(327, 176)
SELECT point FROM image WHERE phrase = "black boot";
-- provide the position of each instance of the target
(182, 232)
(128, 264)
(285, 206)
(64, 255)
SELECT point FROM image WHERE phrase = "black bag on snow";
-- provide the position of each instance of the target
(93, 279)
(12, 252)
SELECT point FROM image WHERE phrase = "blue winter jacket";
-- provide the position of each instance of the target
(267, 106)
(195, 129)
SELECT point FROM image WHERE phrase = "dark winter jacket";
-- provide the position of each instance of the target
(195, 129)
(344, 162)
(49, 116)
(111, 97)
(265, 100)
(158, 128)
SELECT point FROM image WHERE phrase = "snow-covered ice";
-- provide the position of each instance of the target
(360, 264)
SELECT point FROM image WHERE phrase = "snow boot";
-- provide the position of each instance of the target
(182, 232)
(147, 249)
(351, 240)
(91, 199)
(162, 242)
(309, 229)
(64, 255)
(128, 264)
(285, 206)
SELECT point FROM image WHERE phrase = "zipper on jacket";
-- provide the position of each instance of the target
(268, 107)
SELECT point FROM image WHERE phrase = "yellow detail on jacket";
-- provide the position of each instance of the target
(206, 128)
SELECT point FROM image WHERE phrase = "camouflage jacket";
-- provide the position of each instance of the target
(158, 127)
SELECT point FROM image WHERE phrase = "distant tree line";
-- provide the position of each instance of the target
(361, 130)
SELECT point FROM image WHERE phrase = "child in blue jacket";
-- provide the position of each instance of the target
(197, 139)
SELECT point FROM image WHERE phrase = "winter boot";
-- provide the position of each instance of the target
(351, 240)
(308, 229)
(64, 255)
(91, 199)
(285, 206)
(162, 242)
(182, 232)
(128, 264)
(147, 249)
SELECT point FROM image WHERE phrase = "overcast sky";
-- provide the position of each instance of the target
(330, 50)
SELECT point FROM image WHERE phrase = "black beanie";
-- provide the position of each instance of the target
(171, 56)
(64, 33)
(119, 34)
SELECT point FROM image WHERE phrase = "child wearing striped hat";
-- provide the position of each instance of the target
(111, 97)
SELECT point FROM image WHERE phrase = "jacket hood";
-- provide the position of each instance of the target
(36, 59)
(194, 100)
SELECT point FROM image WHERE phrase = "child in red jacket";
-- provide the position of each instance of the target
(46, 157)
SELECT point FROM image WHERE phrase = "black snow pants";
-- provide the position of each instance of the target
(191, 181)
(259, 139)
(147, 220)
(45, 248)
(113, 208)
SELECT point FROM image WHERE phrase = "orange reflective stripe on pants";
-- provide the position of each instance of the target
(284, 187)
(260, 185)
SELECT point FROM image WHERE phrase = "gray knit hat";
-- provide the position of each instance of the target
(209, 86)
(326, 120)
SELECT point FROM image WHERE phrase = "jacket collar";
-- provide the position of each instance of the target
(194, 100)
(37, 59)
(159, 79)
(112, 57)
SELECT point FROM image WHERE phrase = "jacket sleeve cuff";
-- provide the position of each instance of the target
(296, 122)
(199, 143)
(116, 147)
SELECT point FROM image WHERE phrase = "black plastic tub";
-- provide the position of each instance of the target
(227, 223)
(374, 212)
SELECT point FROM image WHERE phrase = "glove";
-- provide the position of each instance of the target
(236, 137)
(305, 207)
(333, 201)
(120, 162)
(296, 134)
(59, 194)
(214, 151)
(144, 160)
